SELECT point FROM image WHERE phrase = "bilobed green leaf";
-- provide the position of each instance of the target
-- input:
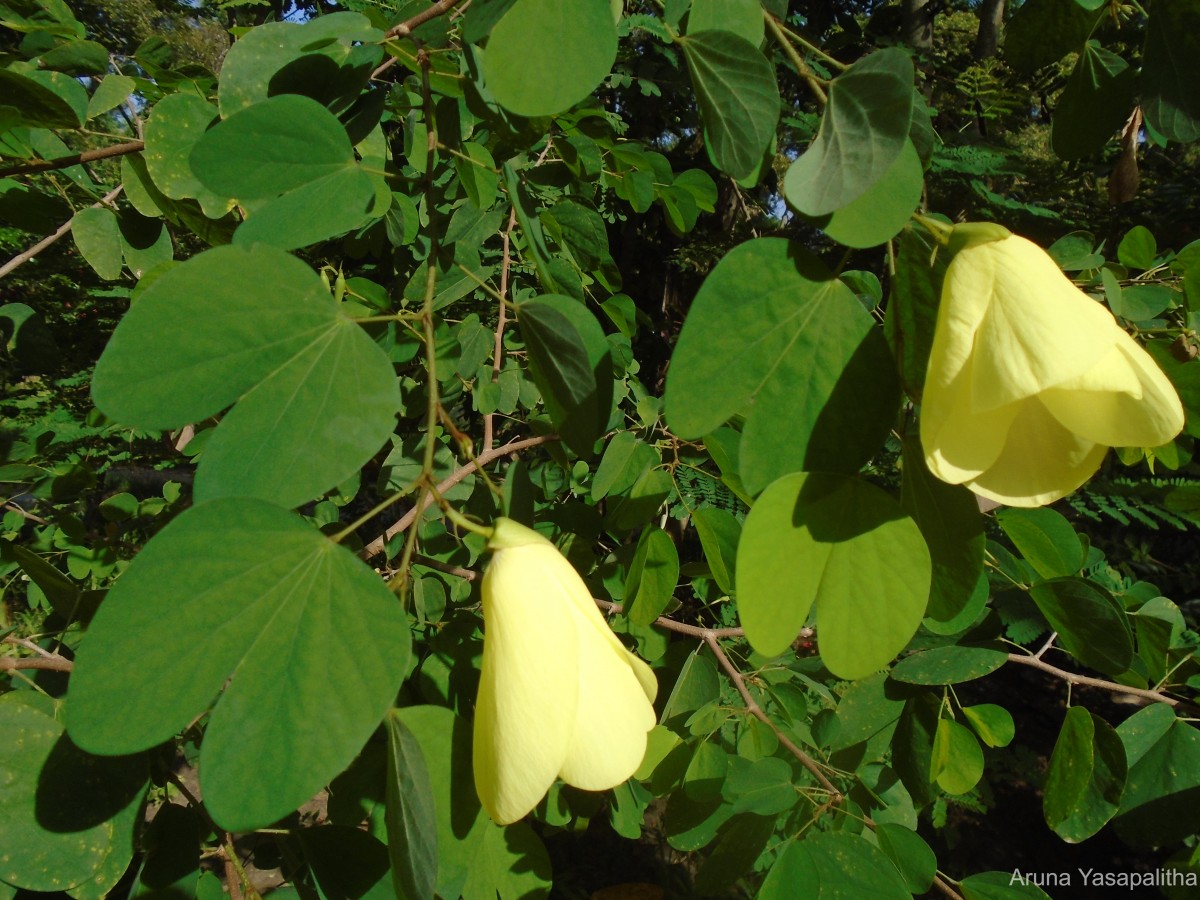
(98, 238)
(1043, 31)
(571, 363)
(949, 665)
(833, 865)
(291, 160)
(772, 329)
(176, 124)
(40, 101)
(328, 58)
(1170, 90)
(1094, 104)
(863, 130)
(844, 545)
(1091, 624)
(1045, 538)
(742, 17)
(544, 56)
(993, 724)
(887, 206)
(653, 575)
(256, 595)
(1086, 776)
(1159, 803)
(318, 396)
(957, 761)
(910, 854)
(624, 461)
(411, 817)
(62, 811)
(719, 532)
(738, 98)
(950, 522)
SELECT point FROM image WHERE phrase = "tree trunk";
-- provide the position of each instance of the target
(991, 18)
(918, 24)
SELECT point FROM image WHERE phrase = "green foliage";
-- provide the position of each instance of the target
(616, 271)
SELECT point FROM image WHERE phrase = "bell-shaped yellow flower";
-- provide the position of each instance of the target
(1030, 381)
(559, 695)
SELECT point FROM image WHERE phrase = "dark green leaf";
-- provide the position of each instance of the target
(833, 866)
(1086, 777)
(949, 665)
(1094, 104)
(1170, 89)
(411, 818)
(1043, 31)
(1091, 624)
(1045, 539)
(653, 575)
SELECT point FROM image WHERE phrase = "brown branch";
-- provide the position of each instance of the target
(74, 159)
(26, 255)
(498, 349)
(755, 710)
(49, 663)
(468, 574)
(678, 627)
(404, 29)
(25, 514)
(1074, 678)
(378, 545)
(945, 888)
(233, 874)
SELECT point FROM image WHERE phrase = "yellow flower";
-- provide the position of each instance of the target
(1030, 381)
(559, 695)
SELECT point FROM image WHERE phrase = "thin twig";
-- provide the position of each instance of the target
(28, 645)
(1022, 659)
(73, 159)
(1046, 646)
(25, 514)
(498, 349)
(678, 627)
(405, 28)
(378, 545)
(468, 574)
(755, 710)
(27, 255)
(233, 869)
(49, 663)
(802, 68)
(945, 888)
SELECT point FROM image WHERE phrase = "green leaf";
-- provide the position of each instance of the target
(255, 595)
(544, 57)
(411, 818)
(63, 812)
(1170, 91)
(293, 154)
(950, 522)
(653, 575)
(1044, 31)
(957, 762)
(110, 93)
(98, 238)
(833, 865)
(1000, 886)
(993, 724)
(1092, 625)
(625, 460)
(740, 842)
(43, 101)
(762, 786)
(511, 862)
(737, 95)
(145, 243)
(1158, 807)
(60, 590)
(347, 864)
(910, 854)
(1045, 538)
(201, 337)
(863, 130)
(1138, 248)
(913, 307)
(719, 532)
(772, 329)
(328, 58)
(1094, 104)
(884, 209)
(77, 58)
(571, 362)
(176, 125)
(477, 174)
(579, 230)
(742, 17)
(445, 742)
(949, 665)
(844, 545)
(1086, 776)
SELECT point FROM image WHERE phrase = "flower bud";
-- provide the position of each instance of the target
(559, 695)
(1030, 381)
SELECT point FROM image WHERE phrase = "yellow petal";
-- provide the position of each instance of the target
(1042, 461)
(559, 694)
(528, 690)
(1038, 330)
(1124, 401)
(959, 442)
